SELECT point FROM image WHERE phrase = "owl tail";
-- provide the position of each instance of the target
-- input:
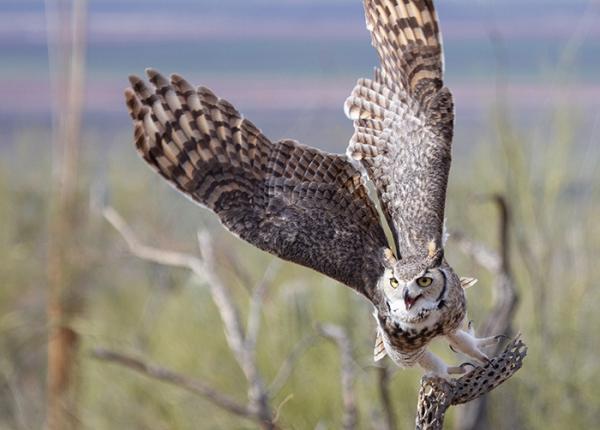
(379, 352)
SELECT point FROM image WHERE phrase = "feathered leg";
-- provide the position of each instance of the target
(470, 345)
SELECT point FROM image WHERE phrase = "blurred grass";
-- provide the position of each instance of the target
(167, 315)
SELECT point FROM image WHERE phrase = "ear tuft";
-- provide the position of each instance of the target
(467, 282)
(389, 256)
(431, 249)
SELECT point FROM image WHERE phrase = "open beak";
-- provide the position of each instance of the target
(408, 300)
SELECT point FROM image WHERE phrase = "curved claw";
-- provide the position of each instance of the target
(485, 342)
(468, 364)
(491, 363)
(471, 345)
(460, 370)
(471, 328)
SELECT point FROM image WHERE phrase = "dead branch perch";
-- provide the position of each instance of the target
(437, 394)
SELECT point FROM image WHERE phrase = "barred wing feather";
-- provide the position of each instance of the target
(403, 120)
(296, 202)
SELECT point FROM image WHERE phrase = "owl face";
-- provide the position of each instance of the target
(419, 299)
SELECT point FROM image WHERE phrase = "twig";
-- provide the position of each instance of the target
(339, 336)
(257, 393)
(285, 370)
(170, 377)
(280, 407)
(256, 302)
(383, 379)
(230, 316)
(505, 300)
(480, 253)
(160, 256)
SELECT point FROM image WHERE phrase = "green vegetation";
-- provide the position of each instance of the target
(167, 316)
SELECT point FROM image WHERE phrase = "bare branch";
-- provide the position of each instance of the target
(383, 379)
(205, 268)
(256, 303)
(437, 394)
(156, 255)
(230, 315)
(505, 300)
(505, 292)
(340, 337)
(285, 370)
(170, 377)
(234, 332)
(202, 268)
(482, 255)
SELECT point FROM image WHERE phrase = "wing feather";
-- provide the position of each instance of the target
(296, 202)
(403, 120)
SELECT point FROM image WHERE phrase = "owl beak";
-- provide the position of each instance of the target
(408, 300)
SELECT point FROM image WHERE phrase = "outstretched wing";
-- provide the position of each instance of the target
(296, 202)
(403, 121)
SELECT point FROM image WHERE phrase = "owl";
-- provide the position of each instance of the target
(313, 208)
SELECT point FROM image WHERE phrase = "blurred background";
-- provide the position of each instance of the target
(525, 77)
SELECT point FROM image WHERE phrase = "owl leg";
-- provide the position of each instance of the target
(470, 345)
(433, 364)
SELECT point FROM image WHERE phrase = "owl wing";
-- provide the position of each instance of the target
(296, 202)
(403, 120)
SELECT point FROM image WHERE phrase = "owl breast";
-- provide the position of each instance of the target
(405, 343)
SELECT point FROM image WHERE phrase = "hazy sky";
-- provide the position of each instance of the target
(305, 54)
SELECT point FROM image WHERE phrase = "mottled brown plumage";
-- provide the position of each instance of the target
(311, 207)
(403, 121)
(297, 202)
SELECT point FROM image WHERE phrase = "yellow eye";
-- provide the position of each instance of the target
(424, 282)
(394, 282)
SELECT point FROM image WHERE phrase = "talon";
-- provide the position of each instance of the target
(456, 370)
(470, 328)
(452, 349)
(460, 370)
(470, 345)
(491, 363)
(468, 364)
(501, 337)
(490, 341)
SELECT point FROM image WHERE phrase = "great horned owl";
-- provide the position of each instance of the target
(311, 207)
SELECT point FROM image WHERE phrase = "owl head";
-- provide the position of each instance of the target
(418, 291)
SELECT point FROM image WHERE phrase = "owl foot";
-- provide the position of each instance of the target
(466, 343)
(460, 370)
(431, 363)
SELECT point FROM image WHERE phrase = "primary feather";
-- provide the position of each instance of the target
(403, 120)
(297, 202)
(311, 207)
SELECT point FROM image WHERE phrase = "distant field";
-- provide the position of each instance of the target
(289, 65)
